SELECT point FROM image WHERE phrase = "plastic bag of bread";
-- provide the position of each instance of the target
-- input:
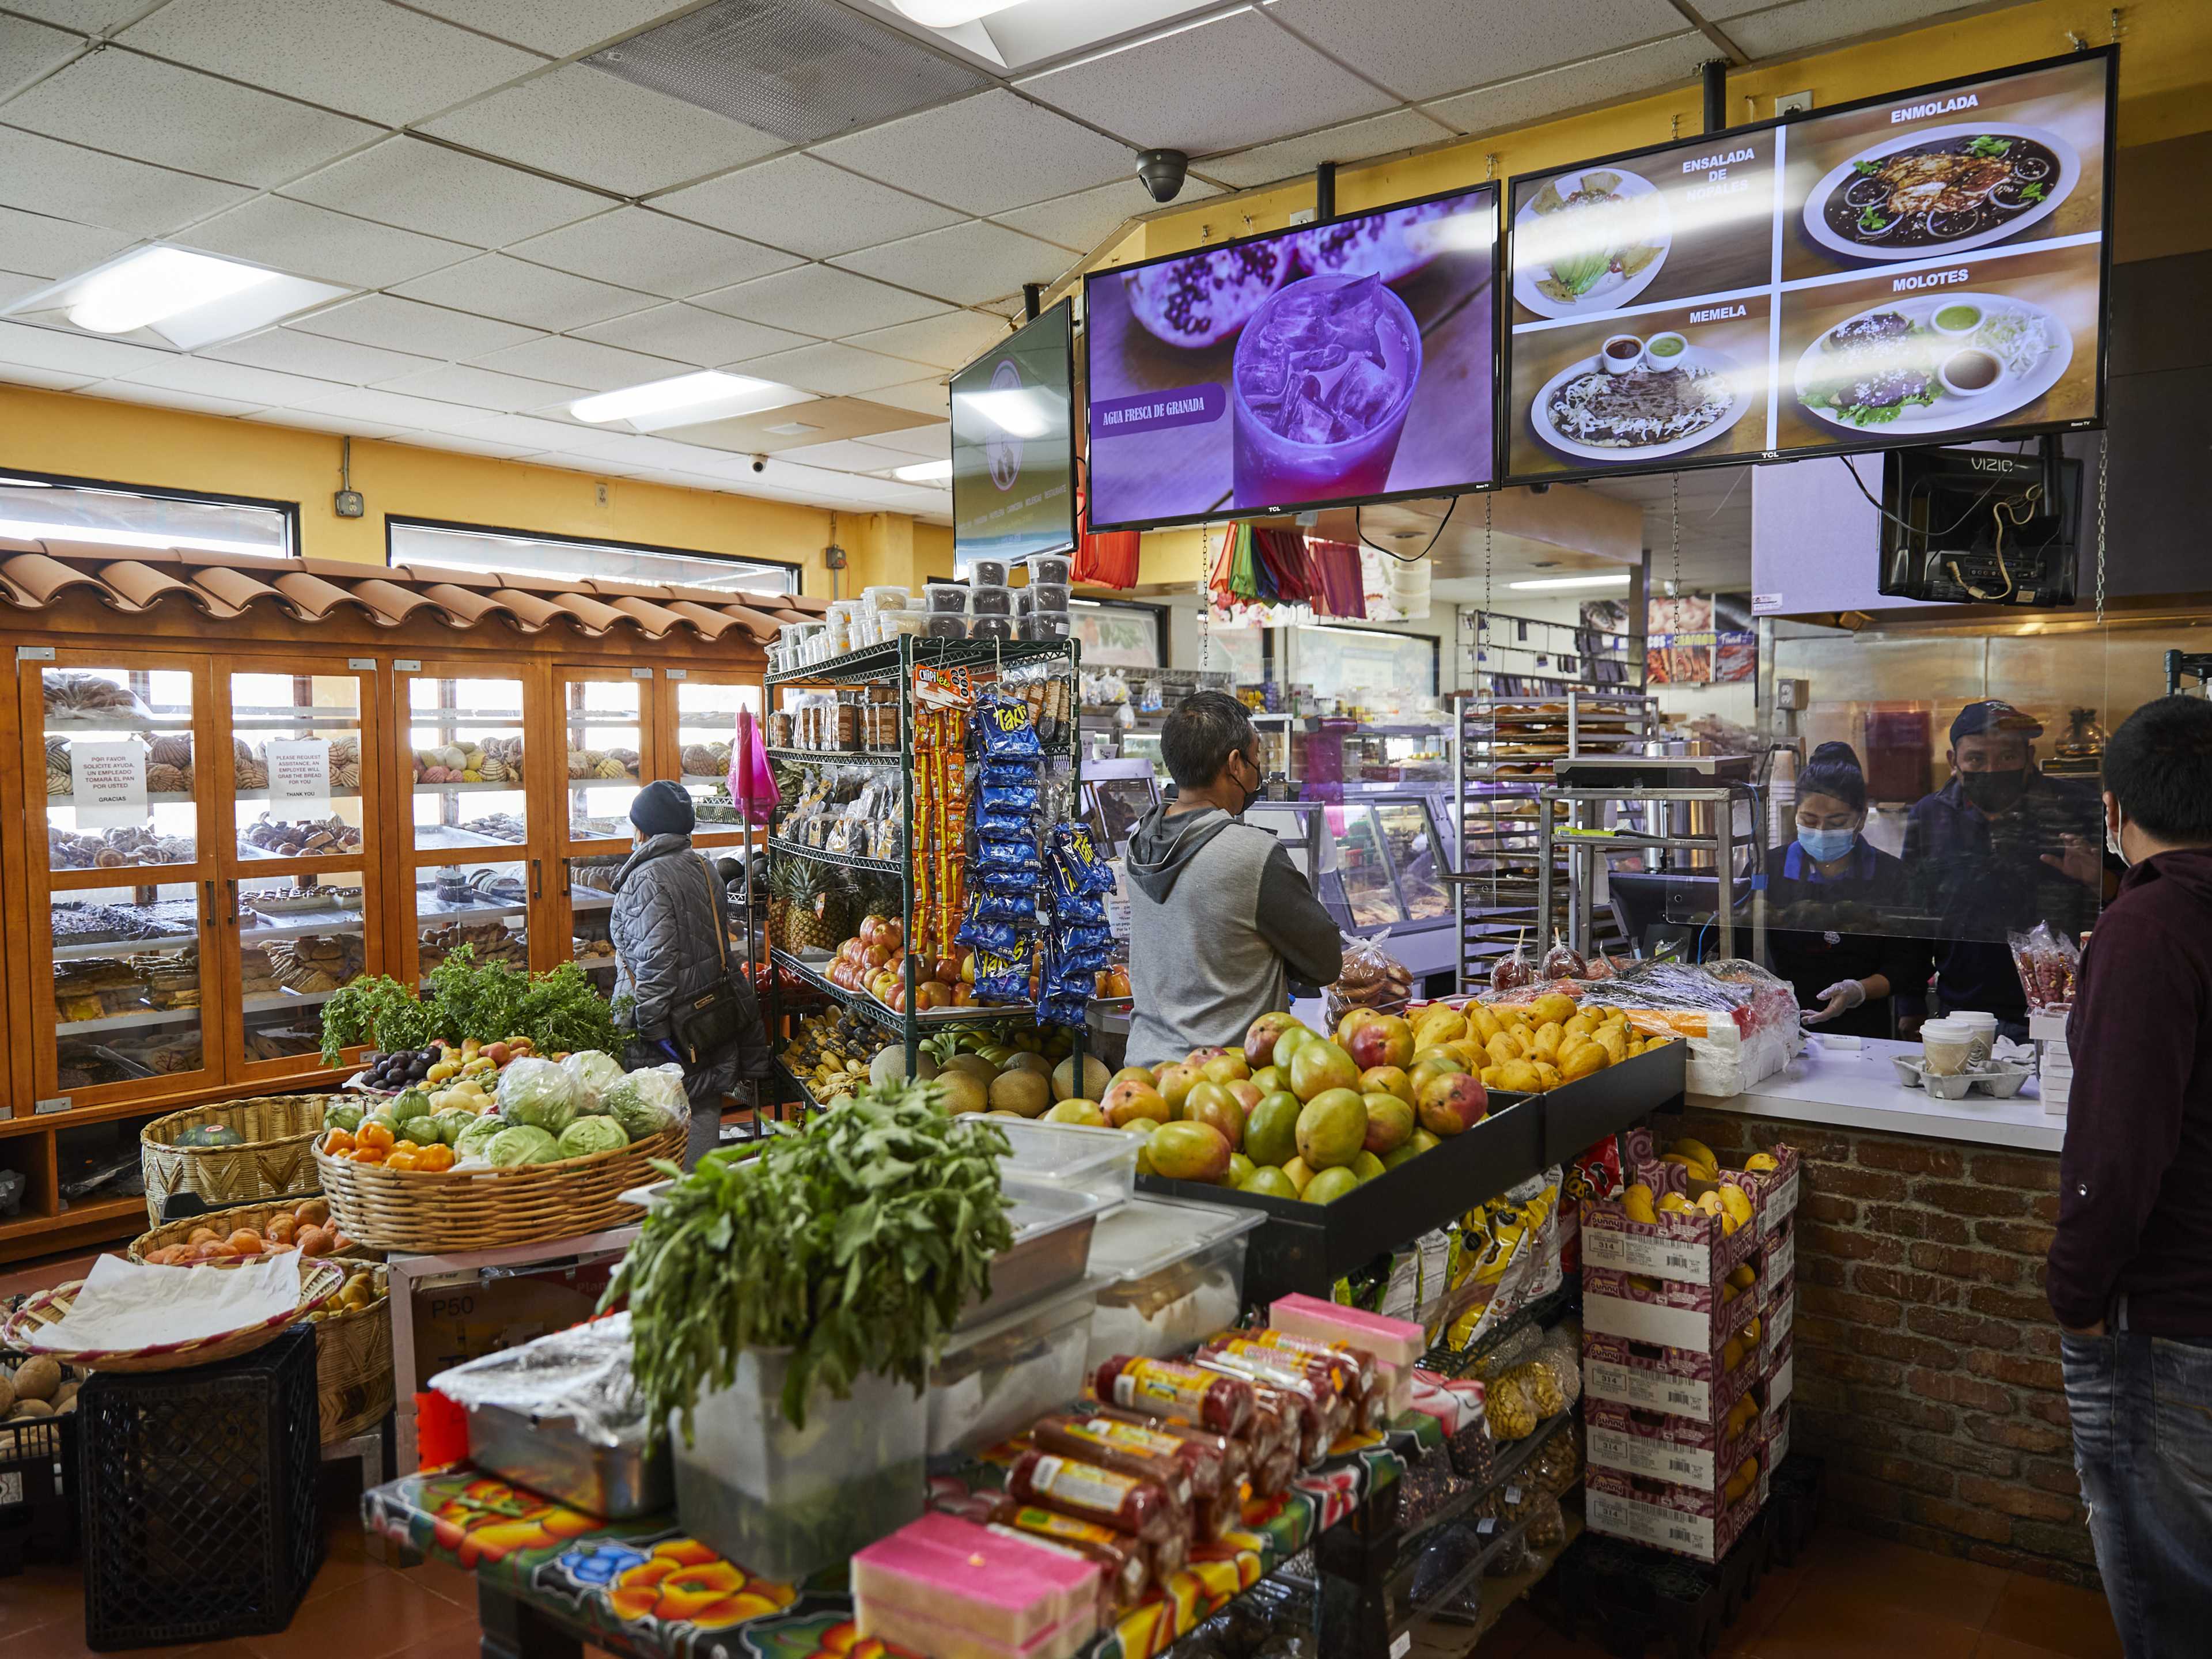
(1371, 979)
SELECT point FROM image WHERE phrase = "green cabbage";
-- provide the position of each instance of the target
(342, 1117)
(595, 1073)
(539, 1093)
(450, 1122)
(472, 1140)
(587, 1136)
(522, 1143)
(648, 1100)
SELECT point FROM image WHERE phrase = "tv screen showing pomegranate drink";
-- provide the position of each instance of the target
(1320, 366)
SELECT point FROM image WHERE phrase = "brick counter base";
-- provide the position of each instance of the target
(1926, 1357)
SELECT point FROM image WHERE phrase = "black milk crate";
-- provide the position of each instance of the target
(201, 1519)
(1631, 1596)
(1793, 1503)
(38, 1491)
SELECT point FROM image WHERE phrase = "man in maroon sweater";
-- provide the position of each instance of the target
(2131, 1275)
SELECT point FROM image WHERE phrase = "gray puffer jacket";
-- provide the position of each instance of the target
(665, 954)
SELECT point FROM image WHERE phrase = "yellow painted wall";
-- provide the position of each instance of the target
(2165, 93)
(134, 443)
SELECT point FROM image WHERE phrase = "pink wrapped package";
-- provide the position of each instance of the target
(1397, 1344)
(953, 1589)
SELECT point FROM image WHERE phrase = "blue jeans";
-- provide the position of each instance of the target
(2141, 1410)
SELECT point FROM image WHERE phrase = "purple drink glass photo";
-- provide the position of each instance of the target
(1322, 376)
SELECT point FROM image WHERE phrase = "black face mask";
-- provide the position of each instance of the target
(1250, 795)
(1992, 792)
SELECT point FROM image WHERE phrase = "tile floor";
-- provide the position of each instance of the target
(1851, 1597)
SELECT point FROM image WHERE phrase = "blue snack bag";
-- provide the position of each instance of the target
(1071, 846)
(1003, 976)
(1003, 728)
(979, 934)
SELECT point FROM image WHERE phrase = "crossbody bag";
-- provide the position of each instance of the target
(702, 1026)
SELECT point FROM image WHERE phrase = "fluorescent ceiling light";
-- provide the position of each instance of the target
(686, 400)
(924, 472)
(951, 14)
(157, 283)
(185, 298)
(38, 530)
(1549, 583)
(1009, 410)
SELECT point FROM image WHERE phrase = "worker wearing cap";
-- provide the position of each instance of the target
(1999, 848)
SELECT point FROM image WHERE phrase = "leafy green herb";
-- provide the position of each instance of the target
(1865, 169)
(2034, 192)
(855, 1244)
(1987, 145)
(1873, 218)
(376, 1010)
(559, 1012)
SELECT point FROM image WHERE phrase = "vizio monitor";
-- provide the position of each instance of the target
(1322, 365)
(1921, 268)
(1013, 446)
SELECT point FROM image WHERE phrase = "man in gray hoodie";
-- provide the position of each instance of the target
(1220, 920)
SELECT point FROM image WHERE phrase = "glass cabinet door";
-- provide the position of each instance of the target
(123, 881)
(1414, 851)
(464, 743)
(604, 722)
(304, 770)
(705, 718)
(485, 907)
(589, 887)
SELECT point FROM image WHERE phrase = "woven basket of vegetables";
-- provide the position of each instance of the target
(237, 1152)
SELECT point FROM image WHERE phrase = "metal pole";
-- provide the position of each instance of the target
(1032, 301)
(1715, 74)
(1325, 193)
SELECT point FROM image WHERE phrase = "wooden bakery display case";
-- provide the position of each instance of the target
(241, 782)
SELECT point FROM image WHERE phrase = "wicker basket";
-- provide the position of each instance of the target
(276, 1160)
(437, 1213)
(320, 1280)
(353, 1367)
(256, 1216)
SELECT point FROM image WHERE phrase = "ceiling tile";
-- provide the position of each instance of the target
(163, 397)
(967, 264)
(494, 285)
(1227, 84)
(1811, 23)
(480, 388)
(525, 430)
(44, 246)
(985, 153)
(28, 50)
(397, 325)
(819, 300)
(640, 248)
(833, 370)
(69, 352)
(47, 380)
(952, 341)
(846, 455)
(380, 62)
(15, 285)
(426, 187)
(46, 176)
(289, 351)
(153, 112)
(560, 27)
(1356, 141)
(1081, 221)
(927, 443)
(87, 16)
(922, 396)
(237, 381)
(469, 446)
(1507, 104)
(311, 420)
(686, 334)
(582, 363)
(583, 125)
(391, 408)
(313, 241)
(807, 206)
(1426, 48)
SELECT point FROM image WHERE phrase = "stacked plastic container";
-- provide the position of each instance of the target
(1045, 614)
(2055, 1067)
(1687, 1367)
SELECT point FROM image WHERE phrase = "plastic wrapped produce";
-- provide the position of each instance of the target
(1512, 973)
(1563, 961)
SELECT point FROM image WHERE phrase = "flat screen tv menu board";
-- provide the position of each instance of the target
(1013, 444)
(1316, 367)
(1911, 270)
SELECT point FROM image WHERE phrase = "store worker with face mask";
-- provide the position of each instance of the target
(2001, 847)
(1830, 896)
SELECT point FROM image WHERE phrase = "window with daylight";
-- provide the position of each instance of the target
(480, 548)
(34, 507)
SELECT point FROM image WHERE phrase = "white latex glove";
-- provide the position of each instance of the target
(1841, 996)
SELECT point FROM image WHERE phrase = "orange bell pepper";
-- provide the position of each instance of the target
(338, 1142)
(374, 1135)
(403, 1157)
(437, 1159)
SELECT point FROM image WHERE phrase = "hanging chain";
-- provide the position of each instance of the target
(1204, 600)
(2103, 450)
(1489, 549)
(1674, 592)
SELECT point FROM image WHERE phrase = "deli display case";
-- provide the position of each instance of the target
(1375, 863)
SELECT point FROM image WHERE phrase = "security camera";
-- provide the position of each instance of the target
(1539, 490)
(1161, 172)
(760, 463)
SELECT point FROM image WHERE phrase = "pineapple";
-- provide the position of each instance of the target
(805, 900)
